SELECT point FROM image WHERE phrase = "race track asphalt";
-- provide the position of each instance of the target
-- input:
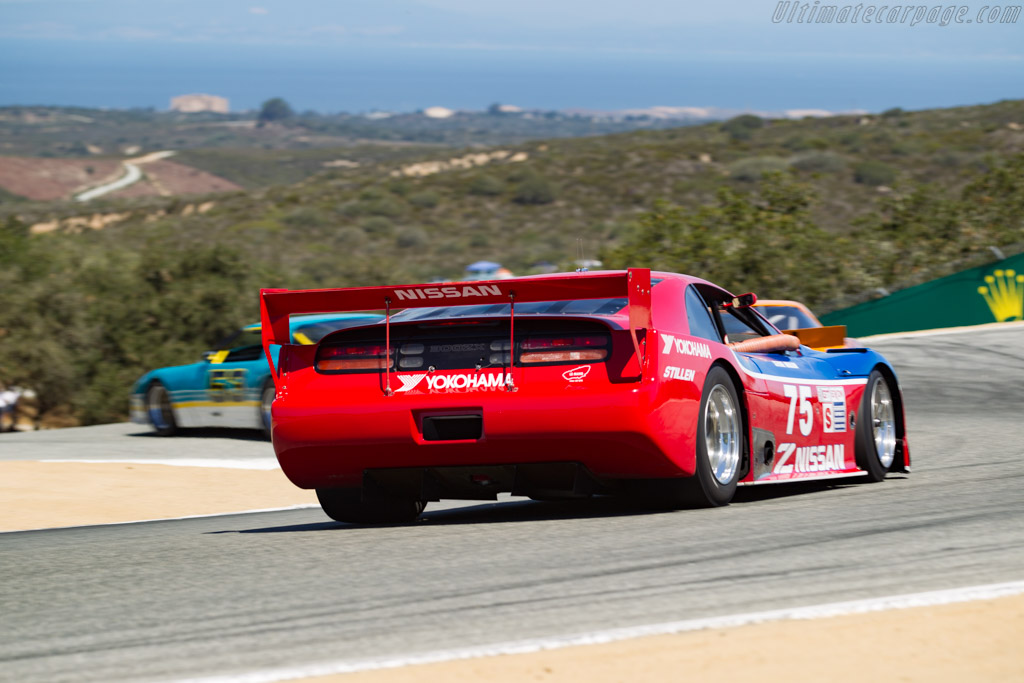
(232, 594)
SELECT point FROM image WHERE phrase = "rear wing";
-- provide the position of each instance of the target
(276, 305)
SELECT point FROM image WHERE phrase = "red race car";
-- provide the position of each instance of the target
(570, 385)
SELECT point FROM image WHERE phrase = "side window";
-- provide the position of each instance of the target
(737, 329)
(244, 353)
(699, 317)
(246, 346)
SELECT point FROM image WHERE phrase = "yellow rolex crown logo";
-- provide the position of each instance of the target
(1004, 293)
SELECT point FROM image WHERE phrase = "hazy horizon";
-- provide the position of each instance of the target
(405, 55)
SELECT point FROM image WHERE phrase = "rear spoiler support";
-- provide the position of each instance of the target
(276, 305)
(387, 347)
(510, 384)
(639, 296)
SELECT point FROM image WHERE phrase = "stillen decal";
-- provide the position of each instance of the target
(683, 374)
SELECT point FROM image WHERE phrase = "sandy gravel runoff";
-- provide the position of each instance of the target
(973, 641)
(37, 495)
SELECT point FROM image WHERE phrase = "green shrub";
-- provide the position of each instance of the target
(383, 207)
(305, 217)
(408, 238)
(425, 199)
(534, 189)
(799, 143)
(742, 127)
(753, 168)
(874, 173)
(821, 162)
(486, 185)
(400, 187)
(351, 209)
(351, 237)
(376, 225)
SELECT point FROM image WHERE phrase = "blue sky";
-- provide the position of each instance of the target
(953, 64)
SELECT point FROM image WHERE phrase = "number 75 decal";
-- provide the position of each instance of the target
(801, 393)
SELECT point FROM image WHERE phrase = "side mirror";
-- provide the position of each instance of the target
(742, 301)
(207, 355)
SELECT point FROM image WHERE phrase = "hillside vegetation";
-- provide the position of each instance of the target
(823, 210)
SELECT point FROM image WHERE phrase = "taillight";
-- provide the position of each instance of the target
(563, 356)
(532, 343)
(353, 357)
(563, 349)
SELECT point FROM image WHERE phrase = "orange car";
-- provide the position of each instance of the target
(794, 318)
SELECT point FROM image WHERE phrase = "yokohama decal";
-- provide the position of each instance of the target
(446, 383)
(684, 347)
(409, 382)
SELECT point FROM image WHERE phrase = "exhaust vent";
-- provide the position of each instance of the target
(453, 427)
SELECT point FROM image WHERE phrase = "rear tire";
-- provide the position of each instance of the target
(719, 452)
(347, 505)
(876, 428)
(159, 409)
(719, 443)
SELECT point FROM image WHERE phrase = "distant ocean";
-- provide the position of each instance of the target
(127, 76)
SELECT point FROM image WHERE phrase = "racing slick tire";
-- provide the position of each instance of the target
(159, 410)
(347, 505)
(719, 444)
(719, 452)
(266, 399)
(876, 428)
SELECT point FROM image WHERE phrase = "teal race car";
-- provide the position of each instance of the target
(229, 387)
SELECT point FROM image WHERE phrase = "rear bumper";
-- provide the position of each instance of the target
(613, 434)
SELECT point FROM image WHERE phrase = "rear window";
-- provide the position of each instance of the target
(553, 308)
(316, 331)
(576, 307)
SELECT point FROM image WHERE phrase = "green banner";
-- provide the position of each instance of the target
(987, 294)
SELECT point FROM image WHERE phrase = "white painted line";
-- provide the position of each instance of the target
(967, 329)
(303, 506)
(223, 463)
(930, 599)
